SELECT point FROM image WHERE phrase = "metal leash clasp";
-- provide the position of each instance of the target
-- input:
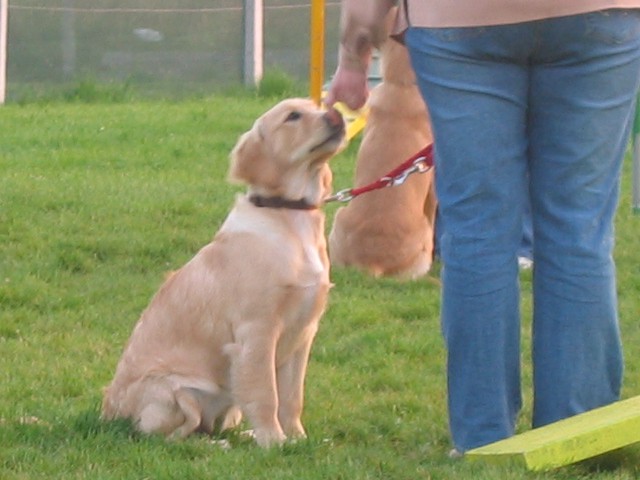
(419, 165)
(341, 196)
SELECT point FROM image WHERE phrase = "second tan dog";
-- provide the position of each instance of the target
(231, 331)
(390, 231)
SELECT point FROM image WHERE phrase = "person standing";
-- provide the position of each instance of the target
(529, 102)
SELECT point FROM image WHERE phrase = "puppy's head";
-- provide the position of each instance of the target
(291, 140)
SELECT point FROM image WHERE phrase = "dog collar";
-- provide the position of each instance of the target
(279, 202)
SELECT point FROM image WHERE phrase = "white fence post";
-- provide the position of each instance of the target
(4, 12)
(253, 41)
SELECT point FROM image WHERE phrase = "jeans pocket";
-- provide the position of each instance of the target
(613, 26)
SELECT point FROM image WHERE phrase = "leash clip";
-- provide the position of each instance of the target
(341, 196)
(422, 165)
(419, 165)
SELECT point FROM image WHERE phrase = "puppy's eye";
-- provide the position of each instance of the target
(293, 116)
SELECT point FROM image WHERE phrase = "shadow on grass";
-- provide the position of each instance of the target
(623, 459)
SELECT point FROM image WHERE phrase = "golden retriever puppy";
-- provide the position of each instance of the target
(230, 332)
(389, 231)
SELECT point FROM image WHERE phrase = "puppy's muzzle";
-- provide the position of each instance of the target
(336, 127)
(334, 119)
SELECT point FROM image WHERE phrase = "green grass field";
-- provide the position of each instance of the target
(98, 202)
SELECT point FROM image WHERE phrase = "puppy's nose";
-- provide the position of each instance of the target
(334, 118)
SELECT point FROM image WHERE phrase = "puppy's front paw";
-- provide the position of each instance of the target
(294, 430)
(269, 438)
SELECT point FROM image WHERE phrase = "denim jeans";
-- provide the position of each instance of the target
(534, 112)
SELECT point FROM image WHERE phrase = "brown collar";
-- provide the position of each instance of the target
(279, 202)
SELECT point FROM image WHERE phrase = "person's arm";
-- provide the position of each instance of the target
(361, 29)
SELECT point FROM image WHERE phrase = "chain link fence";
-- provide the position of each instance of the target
(161, 47)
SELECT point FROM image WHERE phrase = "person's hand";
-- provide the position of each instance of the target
(349, 86)
(362, 28)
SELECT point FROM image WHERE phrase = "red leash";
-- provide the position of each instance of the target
(421, 162)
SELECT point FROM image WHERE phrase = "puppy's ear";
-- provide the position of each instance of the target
(250, 163)
(246, 150)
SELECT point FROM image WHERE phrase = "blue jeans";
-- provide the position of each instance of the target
(534, 112)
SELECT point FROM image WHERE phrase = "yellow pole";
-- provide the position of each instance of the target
(316, 62)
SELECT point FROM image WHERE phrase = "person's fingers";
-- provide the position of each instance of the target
(330, 99)
(355, 98)
(348, 87)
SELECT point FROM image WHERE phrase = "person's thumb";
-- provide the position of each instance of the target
(330, 98)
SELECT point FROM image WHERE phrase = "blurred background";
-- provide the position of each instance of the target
(157, 48)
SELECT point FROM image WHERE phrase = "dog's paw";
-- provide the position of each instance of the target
(222, 443)
(269, 438)
(231, 419)
(294, 430)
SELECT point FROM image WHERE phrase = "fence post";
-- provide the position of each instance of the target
(253, 41)
(4, 13)
(316, 59)
(68, 39)
(635, 175)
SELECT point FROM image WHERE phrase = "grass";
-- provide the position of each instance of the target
(98, 201)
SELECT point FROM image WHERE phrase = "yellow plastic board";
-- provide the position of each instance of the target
(568, 441)
(355, 120)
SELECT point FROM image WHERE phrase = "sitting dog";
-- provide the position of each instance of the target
(389, 232)
(231, 331)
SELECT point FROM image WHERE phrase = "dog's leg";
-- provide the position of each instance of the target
(291, 376)
(216, 409)
(337, 240)
(159, 418)
(231, 418)
(159, 411)
(191, 410)
(253, 383)
(431, 204)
